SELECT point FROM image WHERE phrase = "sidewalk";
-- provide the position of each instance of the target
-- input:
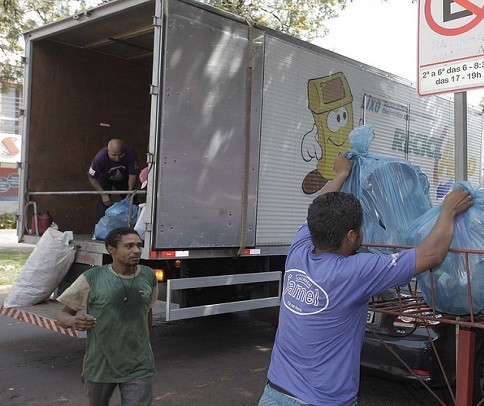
(8, 242)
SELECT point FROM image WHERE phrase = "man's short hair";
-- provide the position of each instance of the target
(331, 216)
(114, 236)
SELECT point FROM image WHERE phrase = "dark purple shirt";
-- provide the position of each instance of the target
(104, 168)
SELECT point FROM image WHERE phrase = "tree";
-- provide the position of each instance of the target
(303, 19)
(19, 16)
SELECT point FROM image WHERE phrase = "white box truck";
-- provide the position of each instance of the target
(239, 124)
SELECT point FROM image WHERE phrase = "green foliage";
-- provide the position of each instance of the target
(304, 19)
(11, 264)
(19, 16)
(7, 220)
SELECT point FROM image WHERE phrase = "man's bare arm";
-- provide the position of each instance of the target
(342, 167)
(97, 186)
(132, 181)
(432, 250)
(68, 317)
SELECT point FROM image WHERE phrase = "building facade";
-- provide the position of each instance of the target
(10, 148)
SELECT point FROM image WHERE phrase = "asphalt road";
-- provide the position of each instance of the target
(217, 361)
(8, 242)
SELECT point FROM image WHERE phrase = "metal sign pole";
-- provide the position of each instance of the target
(466, 336)
(446, 64)
(460, 134)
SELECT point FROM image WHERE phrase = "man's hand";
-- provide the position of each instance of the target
(97, 186)
(432, 250)
(342, 165)
(68, 317)
(106, 200)
(457, 201)
(128, 196)
(84, 322)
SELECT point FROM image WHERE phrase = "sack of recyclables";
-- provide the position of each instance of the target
(450, 279)
(117, 215)
(44, 270)
(392, 191)
(397, 210)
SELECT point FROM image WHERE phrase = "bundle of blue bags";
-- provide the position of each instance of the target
(397, 210)
(120, 214)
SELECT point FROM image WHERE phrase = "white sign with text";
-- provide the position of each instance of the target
(450, 46)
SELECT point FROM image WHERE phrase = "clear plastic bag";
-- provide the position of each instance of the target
(450, 282)
(392, 192)
(394, 195)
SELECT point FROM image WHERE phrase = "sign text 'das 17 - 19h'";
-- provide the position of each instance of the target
(450, 46)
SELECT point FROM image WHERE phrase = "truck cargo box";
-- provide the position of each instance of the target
(234, 121)
(238, 124)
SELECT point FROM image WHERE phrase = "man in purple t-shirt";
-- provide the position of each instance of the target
(326, 289)
(113, 167)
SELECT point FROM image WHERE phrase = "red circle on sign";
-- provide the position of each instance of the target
(450, 31)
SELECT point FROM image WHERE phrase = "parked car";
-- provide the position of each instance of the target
(411, 348)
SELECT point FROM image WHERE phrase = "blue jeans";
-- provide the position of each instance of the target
(138, 392)
(271, 397)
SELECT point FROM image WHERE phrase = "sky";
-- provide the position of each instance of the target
(383, 34)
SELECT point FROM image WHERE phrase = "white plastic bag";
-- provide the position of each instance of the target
(44, 270)
(140, 223)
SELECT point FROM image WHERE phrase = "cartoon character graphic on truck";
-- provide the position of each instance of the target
(330, 101)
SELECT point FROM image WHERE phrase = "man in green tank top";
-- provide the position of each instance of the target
(113, 303)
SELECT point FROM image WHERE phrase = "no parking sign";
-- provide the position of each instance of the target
(450, 46)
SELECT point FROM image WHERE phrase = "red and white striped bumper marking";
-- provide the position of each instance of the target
(37, 320)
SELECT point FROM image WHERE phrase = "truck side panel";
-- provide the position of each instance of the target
(313, 99)
(206, 148)
(228, 170)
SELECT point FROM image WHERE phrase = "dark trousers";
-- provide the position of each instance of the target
(138, 392)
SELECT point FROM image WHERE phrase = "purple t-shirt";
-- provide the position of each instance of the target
(105, 168)
(323, 312)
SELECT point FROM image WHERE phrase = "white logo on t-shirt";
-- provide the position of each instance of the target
(302, 295)
(394, 260)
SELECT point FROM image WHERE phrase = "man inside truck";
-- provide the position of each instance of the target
(326, 290)
(113, 167)
(113, 303)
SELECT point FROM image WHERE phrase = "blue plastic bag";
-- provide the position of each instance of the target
(450, 282)
(392, 192)
(116, 216)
